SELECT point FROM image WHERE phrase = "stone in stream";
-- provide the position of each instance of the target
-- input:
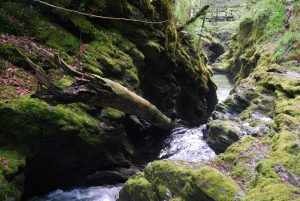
(178, 180)
(221, 134)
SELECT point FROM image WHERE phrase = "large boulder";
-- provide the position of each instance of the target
(222, 134)
(177, 180)
(64, 147)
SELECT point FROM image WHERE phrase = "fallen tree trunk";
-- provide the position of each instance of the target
(193, 19)
(97, 91)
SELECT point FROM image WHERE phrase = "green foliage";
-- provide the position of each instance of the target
(288, 47)
(181, 9)
(275, 12)
(112, 114)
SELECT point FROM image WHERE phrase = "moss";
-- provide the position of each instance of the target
(137, 188)
(9, 53)
(105, 58)
(246, 26)
(286, 151)
(287, 111)
(41, 132)
(45, 32)
(186, 181)
(35, 118)
(266, 166)
(273, 191)
(111, 113)
(267, 185)
(11, 178)
(222, 134)
(239, 158)
(155, 48)
(260, 27)
(65, 81)
(81, 23)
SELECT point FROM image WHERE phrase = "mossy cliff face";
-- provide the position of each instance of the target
(256, 129)
(264, 106)
(146, 58)
(244, 48)
(76, 145)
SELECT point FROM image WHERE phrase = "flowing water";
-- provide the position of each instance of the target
(188, 145)
(224, 86)
(182, 144)
(103, 193)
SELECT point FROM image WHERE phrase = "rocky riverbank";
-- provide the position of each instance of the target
(255, 130)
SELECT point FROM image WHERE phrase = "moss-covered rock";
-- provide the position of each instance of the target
(62, 146)
(11, 174)
(114, 57)
(222, 134)
(180, 180)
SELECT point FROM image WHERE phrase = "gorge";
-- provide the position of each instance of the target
(231, 92)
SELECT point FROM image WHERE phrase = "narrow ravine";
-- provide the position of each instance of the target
(187, 144)
(118, 101)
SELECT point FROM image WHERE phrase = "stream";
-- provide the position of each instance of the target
(182, 144)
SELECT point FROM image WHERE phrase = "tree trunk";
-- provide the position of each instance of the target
(97, 91)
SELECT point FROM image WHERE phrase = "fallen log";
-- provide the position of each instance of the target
(201, 12)
(97, 91)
